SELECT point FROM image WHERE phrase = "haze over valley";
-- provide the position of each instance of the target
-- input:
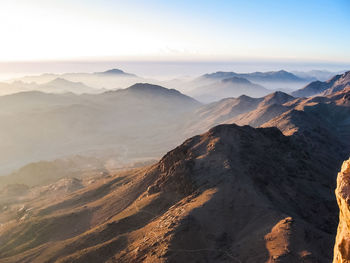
(64, 117)
(171, 132)
(78, 142)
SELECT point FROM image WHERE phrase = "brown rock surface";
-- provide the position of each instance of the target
(232, 194)
(342, 243)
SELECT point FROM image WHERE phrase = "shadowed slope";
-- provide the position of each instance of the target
(219, 197)
(336, 83)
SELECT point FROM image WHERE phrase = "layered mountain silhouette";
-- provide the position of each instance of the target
(334, 84)
(92, 122)
(243, 110)
(227, 84)
(215, 86)
(274, 108)
(270, 76)
(228, 87)
(140, 121)
(234, 193)
(313, 75)
(109, 79)
(61, 85)
(57, 85)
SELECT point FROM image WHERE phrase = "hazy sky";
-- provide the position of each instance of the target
(312, 30)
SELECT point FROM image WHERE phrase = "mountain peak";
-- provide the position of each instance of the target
(283, 72)
(334, 79)
(311, 89)
(62, 85)
(147, 89)
(62, 81)
(244, 97)
(347, 73)
(221, 75)
(217, 144)
(150, 87)
(345, 76)
(279, 95)
(116, 72)
(334, 84)
(59, 80)
(236, 80)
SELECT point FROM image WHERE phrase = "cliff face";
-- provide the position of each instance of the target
(342, 243)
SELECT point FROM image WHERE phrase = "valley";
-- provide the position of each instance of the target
(234, 193)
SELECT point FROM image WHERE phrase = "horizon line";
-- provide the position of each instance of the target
(149, 59)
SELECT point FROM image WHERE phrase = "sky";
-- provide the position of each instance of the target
(313, 30)
(172, 38)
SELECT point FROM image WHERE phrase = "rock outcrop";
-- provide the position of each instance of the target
(342, 243)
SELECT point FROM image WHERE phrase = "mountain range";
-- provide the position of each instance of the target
(154, 114)
(207, 88)
(233, 193)
(270, 76)
(57, 85)
(110, 79)
(140, 121)
(219, 85)
(228, 87)
(335, 83)
(313, 75)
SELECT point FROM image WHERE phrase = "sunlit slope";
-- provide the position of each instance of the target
(233, 193)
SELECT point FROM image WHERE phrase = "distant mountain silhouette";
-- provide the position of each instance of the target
(61, 85)
(227, 87)
(237, 80)
(334, 84)
(231, 194)
(142, 120)
(110, 79)
(117, 72)
(270, 76)
(56, 85)
(242, 110)
(154, 89)
(314, 88)
(314, 75)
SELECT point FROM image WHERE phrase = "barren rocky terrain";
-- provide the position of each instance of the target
(232, 194)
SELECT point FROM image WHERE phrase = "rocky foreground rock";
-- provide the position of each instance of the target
(342, 243)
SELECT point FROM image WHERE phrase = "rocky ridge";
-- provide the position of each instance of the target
(342, 243)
